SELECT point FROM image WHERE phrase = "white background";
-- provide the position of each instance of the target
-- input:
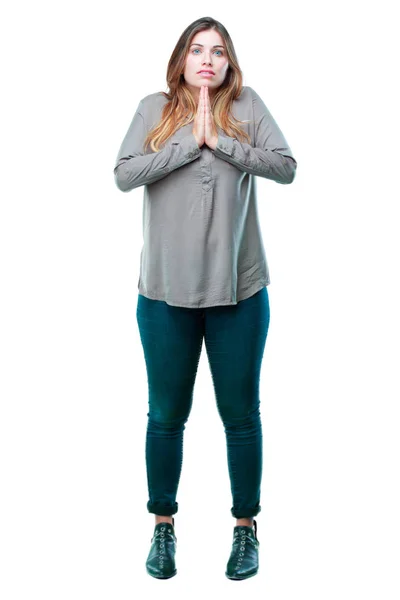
(73, 516)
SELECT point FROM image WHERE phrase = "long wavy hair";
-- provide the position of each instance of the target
(181, 107)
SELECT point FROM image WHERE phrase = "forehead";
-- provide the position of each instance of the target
(209, 38)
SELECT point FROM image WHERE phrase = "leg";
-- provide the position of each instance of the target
(235, 338)
(172, 339)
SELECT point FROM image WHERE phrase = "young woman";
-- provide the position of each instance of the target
(203, 271)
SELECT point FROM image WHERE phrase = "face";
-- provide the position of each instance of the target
(207, 52)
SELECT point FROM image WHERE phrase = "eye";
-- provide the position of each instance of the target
(198, 50)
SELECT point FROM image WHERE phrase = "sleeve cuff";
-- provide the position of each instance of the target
(224, 144)
(189, 146)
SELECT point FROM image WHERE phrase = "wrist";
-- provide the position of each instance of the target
(213, 142)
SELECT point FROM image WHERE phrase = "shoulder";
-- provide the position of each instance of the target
(249, 94)
(246, 92)
(154, 100)
(243, 105)
(258, 105)
(248, 98)
(158, 99)
(151, 106)
(244, 96)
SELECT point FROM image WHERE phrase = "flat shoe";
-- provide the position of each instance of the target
(243, 561)
(160, 562)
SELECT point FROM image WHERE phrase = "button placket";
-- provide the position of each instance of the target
(206, 176)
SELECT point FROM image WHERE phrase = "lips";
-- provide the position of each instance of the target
(205, 71)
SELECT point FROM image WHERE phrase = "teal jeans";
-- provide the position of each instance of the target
(172, 339)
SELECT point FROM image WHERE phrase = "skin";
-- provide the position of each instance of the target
(204, 121)
(206, 56)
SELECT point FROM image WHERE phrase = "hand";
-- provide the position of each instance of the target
(198, 126)
(204, 129)
(210, 130)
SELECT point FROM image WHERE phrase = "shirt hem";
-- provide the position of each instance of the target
(242, 295)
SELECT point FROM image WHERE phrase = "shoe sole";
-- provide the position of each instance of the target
(162, 576)
(241, 578)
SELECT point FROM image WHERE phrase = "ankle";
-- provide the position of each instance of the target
(164, 519)
(246, 522)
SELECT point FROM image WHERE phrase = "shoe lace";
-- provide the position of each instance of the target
(242, 536)
(159, 538)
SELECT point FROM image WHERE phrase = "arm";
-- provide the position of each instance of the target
(134, 168)
(271, 158)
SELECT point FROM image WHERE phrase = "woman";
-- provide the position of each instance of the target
(203, 271)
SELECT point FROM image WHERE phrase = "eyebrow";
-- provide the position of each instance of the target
(216, 46)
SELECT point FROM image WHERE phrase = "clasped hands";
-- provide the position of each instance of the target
(204, 129)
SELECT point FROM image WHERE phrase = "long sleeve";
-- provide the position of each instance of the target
(270, 158)
(135, 168)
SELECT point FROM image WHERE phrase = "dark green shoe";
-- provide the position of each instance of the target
(161, 559)
(243, 561)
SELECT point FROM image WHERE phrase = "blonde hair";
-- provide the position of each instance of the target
(181, 106)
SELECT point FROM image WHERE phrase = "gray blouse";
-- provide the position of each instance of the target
(202, 240)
